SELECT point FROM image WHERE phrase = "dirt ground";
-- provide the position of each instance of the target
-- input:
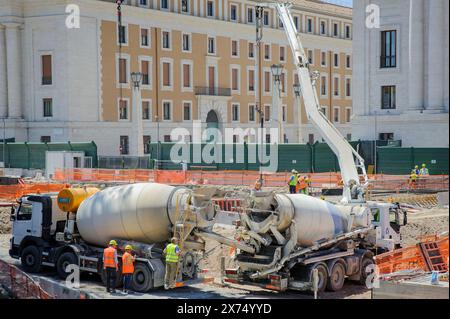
(5, 224)
(425, 222)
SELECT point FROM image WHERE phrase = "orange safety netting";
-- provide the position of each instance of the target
(410, 258)
(21, 285)
(12, 192)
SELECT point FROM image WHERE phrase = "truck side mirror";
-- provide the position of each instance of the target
(12, 214)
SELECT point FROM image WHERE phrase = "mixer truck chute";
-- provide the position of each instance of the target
(74, 226)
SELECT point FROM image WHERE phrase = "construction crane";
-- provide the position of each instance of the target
(349, 160)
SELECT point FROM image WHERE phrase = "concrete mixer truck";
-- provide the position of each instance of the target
(74, 226)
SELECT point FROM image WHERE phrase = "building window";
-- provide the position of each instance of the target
(251, 50)
(309, 25)
(167, 81)
(388, 49)
(187, 111)
(144, 38)
(323, 109)
(251, 113)
(348, 32)
(147, 141)
(284, 113)
(143, 3)
(323, 59)
(145, 69)
(335, 29)
(122, 32)
(123, 74)
(234, 48)
(251, 80)
(311, 57)
(165, 4)
(233, 12)
(211, 46)
(283, 82)
(336, 86)
(348, 63)
(185, 6)
(388, 97)
(167, 111)
(47, 78)
(46, 139)
(167, 139)
(235, 112)
(266, 18)
(267, 81)
(348, 87)
(282, 54)
(268, 138)
(210, 9)
(267, 51)
(187, 76)
(323, 28)
(186, 42)
(336, 115)
(336, 60)
(123, 110)
(386, 136)
(166, 40)
(311, 139)
(235, 79)
(280, 24)
(296, 23)
(48, 107)
(124, 145)
(323, 85)
(267, 113)
(250, 15)
(146, 110)
(348, 115)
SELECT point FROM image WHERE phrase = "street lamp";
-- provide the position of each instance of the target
(297, 110)
(277, 70)
(136, 78)
(297, 90)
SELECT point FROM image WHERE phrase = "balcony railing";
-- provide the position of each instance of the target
(212, 91)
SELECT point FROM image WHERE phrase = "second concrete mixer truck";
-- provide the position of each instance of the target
(73, 227)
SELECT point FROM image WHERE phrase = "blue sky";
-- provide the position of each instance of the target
(347, 3)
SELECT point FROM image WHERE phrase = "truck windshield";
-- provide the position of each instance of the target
(24, 211)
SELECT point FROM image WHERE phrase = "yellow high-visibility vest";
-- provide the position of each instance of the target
(171, 255)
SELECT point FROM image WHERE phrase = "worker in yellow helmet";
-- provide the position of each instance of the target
(416, 170)
(293, 180)
(127, 268)
(172, 253)
(424, 170)
(413, 180)
(111, 266)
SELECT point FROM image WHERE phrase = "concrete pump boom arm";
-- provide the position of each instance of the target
(339, 145)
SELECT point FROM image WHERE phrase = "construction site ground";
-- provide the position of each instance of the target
(421, 222)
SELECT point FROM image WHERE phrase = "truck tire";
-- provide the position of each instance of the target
(142, 278)
(323, 276)
(366, 262)
(31, 259)
(337, 277)
(66, 259)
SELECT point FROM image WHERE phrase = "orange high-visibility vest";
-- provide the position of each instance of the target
(127, 264)
(302, 183)
(108, 258)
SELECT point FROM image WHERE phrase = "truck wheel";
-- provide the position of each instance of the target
(118, 277)
(323, 276)
(65, 260)
(366, 262)
(337, 277)
(31, 259)
(142, 278)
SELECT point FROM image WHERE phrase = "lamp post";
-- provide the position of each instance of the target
(261, 151)
(136, 78)
(277, 70)
(298, 110)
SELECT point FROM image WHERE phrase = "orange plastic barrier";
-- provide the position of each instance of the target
(13, 192)
(228, 204)
(20, 284)
(410, 258)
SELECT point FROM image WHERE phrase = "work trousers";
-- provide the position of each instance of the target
(171, 275)
(127, 281)
(110, 278)
(292, 189)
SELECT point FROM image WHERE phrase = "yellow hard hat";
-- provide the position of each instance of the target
(424, 165)
(128, 247)
(113, 243)
(417, 166)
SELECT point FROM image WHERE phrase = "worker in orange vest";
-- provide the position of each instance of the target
(127, 268)
(302, 185)
(111, 266)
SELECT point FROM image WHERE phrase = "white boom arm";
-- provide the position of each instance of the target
(339, 145)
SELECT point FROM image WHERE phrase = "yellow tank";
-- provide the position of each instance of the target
(69, 199)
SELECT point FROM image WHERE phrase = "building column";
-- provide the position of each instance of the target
(416, 55)
(3, 75)
(13, 58)
(435, 55)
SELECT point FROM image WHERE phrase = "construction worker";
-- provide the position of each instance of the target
(293, 180)
(413, 180)
(127, 268)
(172, 253)
(302, 185)
(111, 266)
(424, 170)
(416, 170)
(308, 181)
(258, 185)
